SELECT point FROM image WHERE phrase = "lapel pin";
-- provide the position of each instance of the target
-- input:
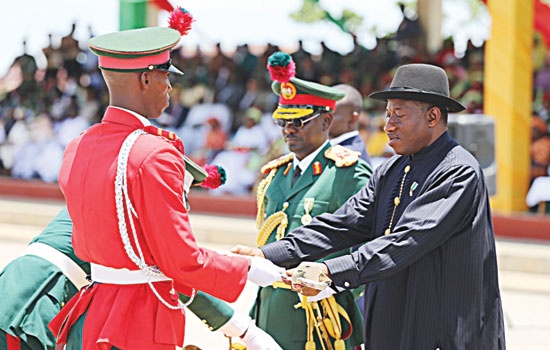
(413, 187)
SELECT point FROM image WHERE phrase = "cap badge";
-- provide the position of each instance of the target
(288, 91)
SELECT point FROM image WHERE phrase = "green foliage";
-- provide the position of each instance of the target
(312, 11)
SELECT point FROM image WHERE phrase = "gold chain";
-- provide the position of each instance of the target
(397, 200)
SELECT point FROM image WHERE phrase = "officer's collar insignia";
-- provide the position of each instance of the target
(277, 163)
(317, 168)
(288, 91)
(342, 156)
(288, 166)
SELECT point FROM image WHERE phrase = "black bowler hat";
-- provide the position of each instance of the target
(420, 82)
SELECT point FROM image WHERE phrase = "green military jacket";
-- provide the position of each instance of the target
(322, 188)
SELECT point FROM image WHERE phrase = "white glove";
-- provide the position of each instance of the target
(263, 272)
(256, 339)
(325, 293)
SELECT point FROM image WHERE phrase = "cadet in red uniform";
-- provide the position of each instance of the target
(123, 182)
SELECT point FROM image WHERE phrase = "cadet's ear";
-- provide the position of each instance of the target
(144, 79)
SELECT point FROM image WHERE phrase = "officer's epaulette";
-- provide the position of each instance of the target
(275, 163)
(170, 136)
(342, 156)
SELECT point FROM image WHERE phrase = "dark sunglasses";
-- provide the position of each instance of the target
(298, 123)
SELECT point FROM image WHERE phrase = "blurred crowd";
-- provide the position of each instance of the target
(221, 107)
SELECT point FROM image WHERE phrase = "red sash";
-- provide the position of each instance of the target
(69, 314)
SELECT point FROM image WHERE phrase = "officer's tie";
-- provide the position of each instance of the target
(297, 173)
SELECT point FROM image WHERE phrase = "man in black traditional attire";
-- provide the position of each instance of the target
(428, 252)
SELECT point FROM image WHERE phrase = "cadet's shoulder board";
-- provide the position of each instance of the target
(275, 163)
(342, 156)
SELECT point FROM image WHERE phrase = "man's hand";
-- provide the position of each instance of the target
(240, 326)
(310, 278)
(244, 250)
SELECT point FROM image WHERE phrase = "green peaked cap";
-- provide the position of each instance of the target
(136, 50)
(135, 42)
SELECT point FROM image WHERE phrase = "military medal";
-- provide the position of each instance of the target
(308, 205)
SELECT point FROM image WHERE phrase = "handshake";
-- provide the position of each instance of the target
(310, 279)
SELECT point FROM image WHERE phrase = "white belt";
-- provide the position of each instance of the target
(104, 274)
(70, 269)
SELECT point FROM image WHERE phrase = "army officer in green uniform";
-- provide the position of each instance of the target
(314, 178)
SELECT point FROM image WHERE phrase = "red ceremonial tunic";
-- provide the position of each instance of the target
(131, 316)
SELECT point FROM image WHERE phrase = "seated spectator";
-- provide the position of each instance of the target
(538, 197)
(16, 137)
(39, 158)
(194, 128)
(540, 147)
(72, 125)
(240, 158)
(215, 142)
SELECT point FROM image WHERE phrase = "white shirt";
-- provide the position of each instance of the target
(304, 163)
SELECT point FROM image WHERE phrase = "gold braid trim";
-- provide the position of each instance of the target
(260, 196)
(277, 220)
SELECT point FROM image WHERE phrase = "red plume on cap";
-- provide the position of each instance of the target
(216, 176)
(281, 67)
(180, 19)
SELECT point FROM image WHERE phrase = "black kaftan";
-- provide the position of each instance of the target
(433, 282)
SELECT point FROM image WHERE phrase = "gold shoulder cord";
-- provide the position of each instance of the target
(260, 196)
(277, 220)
